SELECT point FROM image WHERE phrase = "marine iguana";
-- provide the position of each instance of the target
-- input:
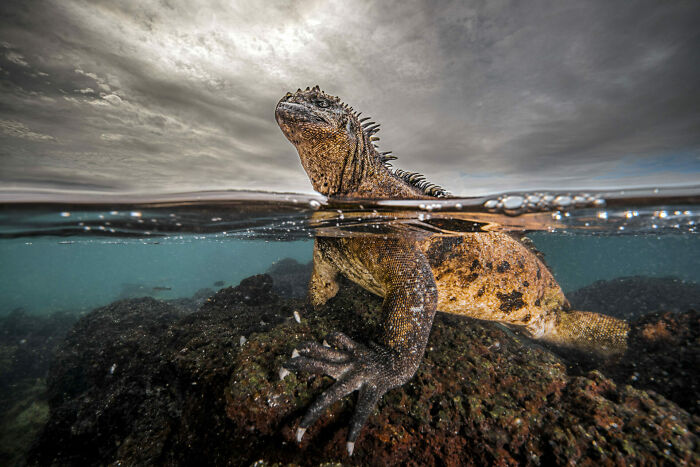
(486, 275)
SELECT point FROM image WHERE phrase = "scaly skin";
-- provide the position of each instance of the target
(485, 275)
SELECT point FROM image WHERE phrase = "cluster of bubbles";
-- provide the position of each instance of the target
(514, 204)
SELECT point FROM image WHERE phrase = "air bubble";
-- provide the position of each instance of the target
(491, 204)
(563, 201)
(314, 204)
(513, 202)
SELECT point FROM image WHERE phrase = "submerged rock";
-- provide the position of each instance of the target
(142, 382)
(481, 396)
(205, 389)
(27, 344)
(664, 355)
(632, 297)
(106, 381)
(664, 341)
(290, 277)
(191, 304)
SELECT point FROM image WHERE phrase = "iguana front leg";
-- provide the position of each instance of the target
(410, 301)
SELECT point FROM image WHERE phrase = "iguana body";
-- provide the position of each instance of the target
(485, 275)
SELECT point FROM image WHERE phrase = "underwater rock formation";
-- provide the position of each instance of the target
(139, 382)
(632, 297)
(105, 380)
(664, 355)
(191, 304)
(27, 344)
(290, 278)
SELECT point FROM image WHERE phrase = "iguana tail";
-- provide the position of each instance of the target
(587, 331)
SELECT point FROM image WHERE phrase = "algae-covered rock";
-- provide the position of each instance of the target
(480, 396)
(205, 389)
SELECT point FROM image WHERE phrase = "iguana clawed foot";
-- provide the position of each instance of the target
(373, 370)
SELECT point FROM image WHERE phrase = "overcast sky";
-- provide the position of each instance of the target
(480, 96)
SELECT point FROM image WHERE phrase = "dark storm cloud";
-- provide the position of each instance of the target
(483, 96)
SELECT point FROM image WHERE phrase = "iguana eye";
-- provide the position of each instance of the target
(322, 103)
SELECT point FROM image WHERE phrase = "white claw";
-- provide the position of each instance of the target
(283, 373)
(295, 353)
(351, 447)
(297, 316)
(300, 434)
(325, 343)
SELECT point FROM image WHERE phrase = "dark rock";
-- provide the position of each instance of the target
(188, 390)
(141, 383)
(27, 344)
(105, 379)
(191, 304)
(664, 355)
(629, 298)
(664, 340)
(290, 278)
(252, 291)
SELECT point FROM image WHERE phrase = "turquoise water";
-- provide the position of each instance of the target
(43, 275)
(47, 274)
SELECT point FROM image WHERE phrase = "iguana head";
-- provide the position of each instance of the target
(328, 136)
(337, 149)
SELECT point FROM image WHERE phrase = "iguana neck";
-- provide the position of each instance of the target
(361, 175)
